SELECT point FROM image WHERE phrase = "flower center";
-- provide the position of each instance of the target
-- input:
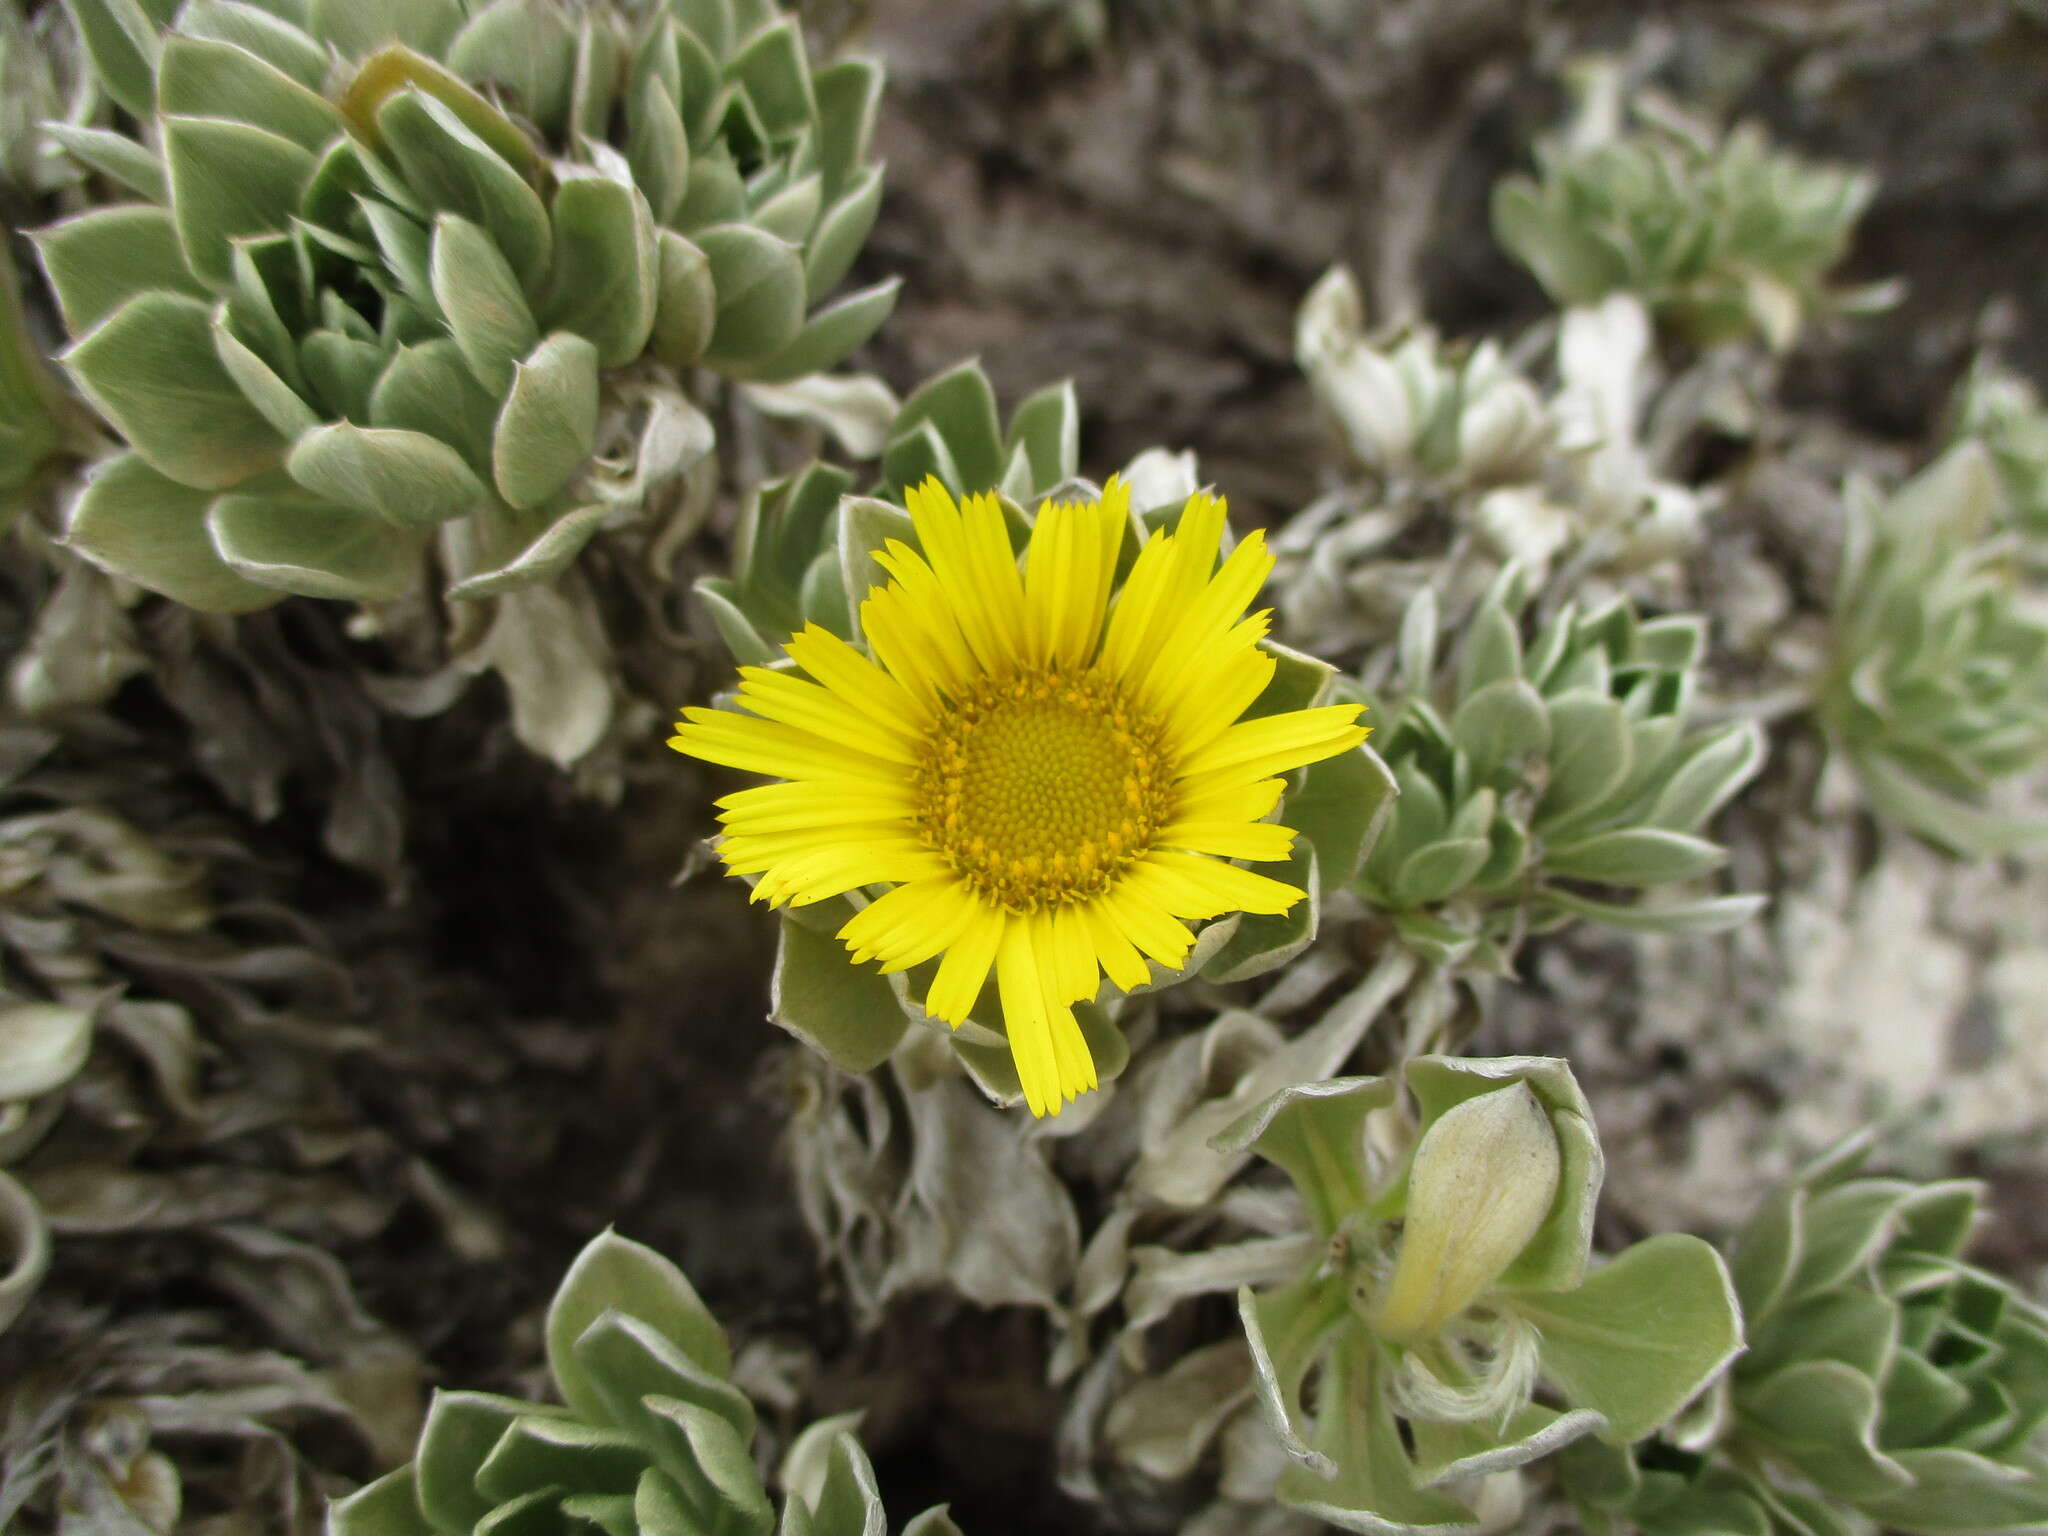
(1039, 789)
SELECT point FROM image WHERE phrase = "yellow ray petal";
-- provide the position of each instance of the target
(912, 923)
(767, 746)
(1232, 678)
(808, 706)
(1026, 1014)
(1257, 840)
(1117, 956)
(913, 631)
(1143, 920)
(853, 677)
(1257, 749)
(1191, 886)
(818, 876)
(966, 966)
(1232, 802)
(1168, 577)
(1204, 631)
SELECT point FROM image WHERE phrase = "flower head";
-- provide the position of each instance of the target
(1047, 777)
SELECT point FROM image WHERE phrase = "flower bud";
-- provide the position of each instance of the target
(1365, 391)
(1483, 1179)
(1504, 431)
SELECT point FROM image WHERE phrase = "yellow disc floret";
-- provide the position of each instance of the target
(1041, 789)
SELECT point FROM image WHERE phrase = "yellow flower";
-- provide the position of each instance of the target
(1048, 780)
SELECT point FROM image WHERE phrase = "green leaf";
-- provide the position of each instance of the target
(555, 1454)
(776, 76)
(313, 548)
(1715, 914)
(138, 524)
(960, 404)
(686, 301)
(1821, 1416)
(549, 552)
(1047, 426)
(98, 261)
(1264, 942)
(271, 38)
(1439, 870)
(828, 336)
(866, 524)
(791, 213)
(460, 1431)
(275, 400)
(1340, 808)
(355, 27)
(42, 1046)
(849, 95)
(1956, 1491)
(606, 267)
(152, 371)
(721, 599)
(115, 156)
(229, 179)
(453, 170)
(1711, 772)
(479, 293)
(1640, 1336)
(527, 50)
(394, 68)
(1635, 856)
(847, 1013)
(658, 149)
(1287, 1330)
(407, 478)
(196, 78)
(626, 1361)
(1493, 651)
(616, 1274)
(840, 232)
(760, 285)
(429, 388)
(122, 43)
(712, 1470)
(1299, 682)
(1500, 724)
(387, 1507)
(1315, 1132)
(1446, 1453)
(549, 424)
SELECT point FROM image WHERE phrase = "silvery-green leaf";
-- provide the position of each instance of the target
(528, 50)
(24, 1248)
(115, 156)
(229, 179)
(760, 285)
(772, 68)
(552, 1455)
(828, 336)
(1641, 1335)
(357, 26)
(1492, 651)
(1439, 870)
(460, 1431)
(1047, 426)
(792, 212)
(1315, 1132)
(549, 423)
(272, 38)
(936, 1521)
(627, 1362)
(1970, 830)
(1714, 914)
(396, 67)
(734, 627)
(849, 94)
(1340, 808)
(1636, 856)
(1373, 1490)
(855, 408)
(152, 371)
(606, 268)
(407, 478)
(1860, 1328)
(549, 552)
(614, 1273)
(1299, 682)
(99, 260)
(555, 666)
(960, 405)
(454, 171)
(1444, 1453)
(659, 150)
(716, 196)
(1417, 646)
(314, 548)
(712, 1469)
(841, 231)
(1956, 1491)
(340, 371)
(122, 42)
(1708, 777)
(1501, 723)
(686, 301)
(138, 524)
(198, 78)
(1822, 1417)
(1297, 1320)
(478, 292)
(919, 455)
(1590, 755)
(42, 1046)
(274, 399)
(387, 1507)
(846, 1012)
(1163, 1425)
(429, 388)
(865, 526)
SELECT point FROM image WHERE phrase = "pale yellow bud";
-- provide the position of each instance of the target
(1483, 1179)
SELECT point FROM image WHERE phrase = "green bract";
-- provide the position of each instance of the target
(652, 1438)
(1719, 235)
(400, 272)
(1937, 688)
(1534, 777)
(1450, 1285)
(1888, 1384)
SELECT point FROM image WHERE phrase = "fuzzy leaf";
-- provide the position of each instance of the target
(1636, 856)
(429, 388)
(686, 301)
(121, 40)
(140, 525)
(550, 551)
(549, 423)
(98, 261)
(828, 336)
(616, 1274)
(313, 548)
(847, 1013)
(760, 285)
(407, 478)
(454, 171)
(229, 179)
(479, 293)
(1316, 1133)
(197, 78)
(606, 267)
(841, 231)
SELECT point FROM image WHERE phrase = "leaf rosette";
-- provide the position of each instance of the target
(409, 272)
